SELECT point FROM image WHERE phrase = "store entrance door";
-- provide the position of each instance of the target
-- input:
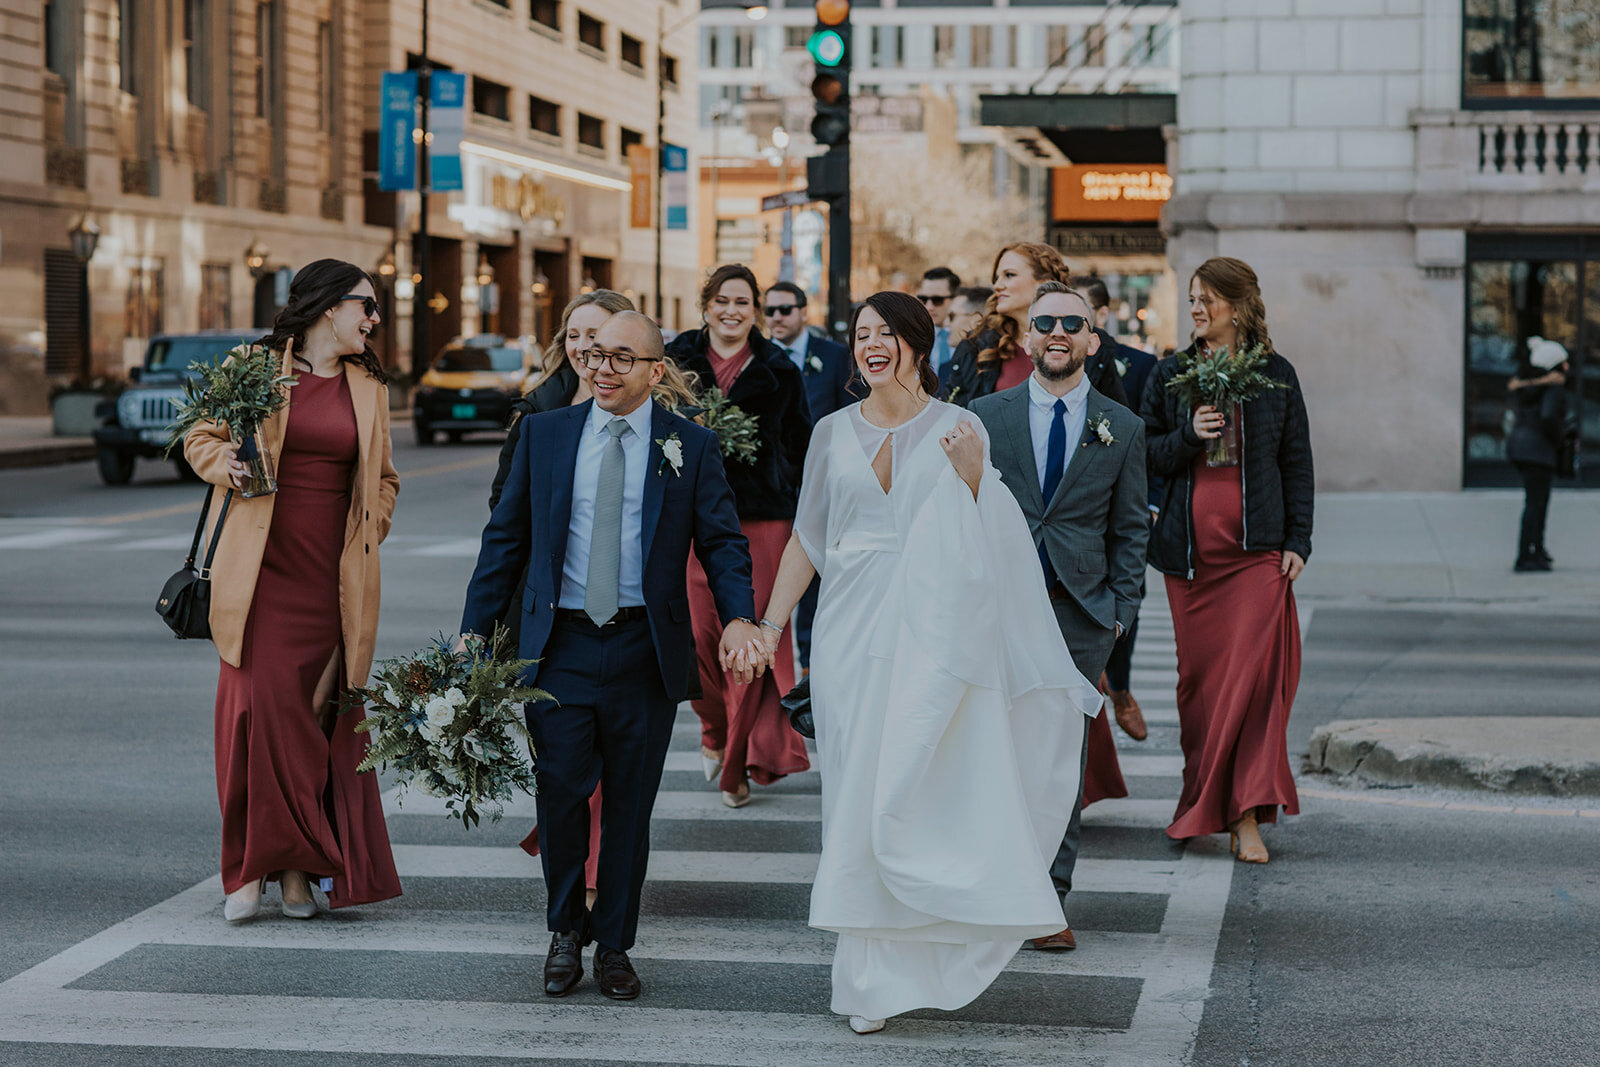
(1522, 286)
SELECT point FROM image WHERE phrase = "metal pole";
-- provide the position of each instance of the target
(839, 220)
(85, 351)
(661, 158)
(420, 311)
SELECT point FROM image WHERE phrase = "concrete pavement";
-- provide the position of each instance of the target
(1550, 756)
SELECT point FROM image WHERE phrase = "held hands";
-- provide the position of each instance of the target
(742, 652)
(965, 449)
(1293, 564)
(1208, 422)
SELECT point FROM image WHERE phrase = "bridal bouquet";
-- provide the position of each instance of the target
(1223, 379)
(240, 392)
(735, 428)
(451, 725)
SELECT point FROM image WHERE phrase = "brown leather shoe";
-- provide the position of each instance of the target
(1057, 942)
(1129, 715)
(615, 973)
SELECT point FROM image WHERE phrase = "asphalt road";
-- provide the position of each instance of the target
(1389, 928)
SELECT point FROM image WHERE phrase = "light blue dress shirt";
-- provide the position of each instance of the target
(585, 482)
(797, 350)
(1040, 403)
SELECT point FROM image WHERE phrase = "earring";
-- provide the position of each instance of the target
(1236, 320)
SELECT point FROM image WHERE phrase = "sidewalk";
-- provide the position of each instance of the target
(26, 441)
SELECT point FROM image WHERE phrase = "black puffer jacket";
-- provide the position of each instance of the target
(554, 392)
(1279, 489)
(1540, 412)
(970, 379)
(772, 390)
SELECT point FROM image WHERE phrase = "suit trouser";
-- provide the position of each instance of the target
(1090, 645)
(611, 722)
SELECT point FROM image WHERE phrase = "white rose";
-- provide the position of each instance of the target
(455, 697)
(673, 450)
(390, 697)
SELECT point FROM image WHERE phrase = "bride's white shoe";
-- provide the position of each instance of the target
(863, 1025)
(711, 762)
(241, 905)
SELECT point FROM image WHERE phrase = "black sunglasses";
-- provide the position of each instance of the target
(1069, 323)
(369, 304)
(934, 300)
(781, 309)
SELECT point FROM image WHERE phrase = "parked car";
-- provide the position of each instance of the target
(470, 386)
(135, 425)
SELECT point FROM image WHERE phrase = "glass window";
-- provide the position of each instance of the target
(546, 13)
(544, 116)
(669, 70)
(944, 46)
(591, 32)
(216, 298)
(327, 68)
(267, 51)
(196, 53)
(591, 131)
(504, 358)
(176, 353)
(1517, 50)
(143, 310)
(127, 50)
(490, 98)
(631, 49)
(982, 47)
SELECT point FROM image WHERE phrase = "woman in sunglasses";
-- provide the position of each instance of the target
(294, 611)
(993, 359)
(744, 735)
(1231, 541)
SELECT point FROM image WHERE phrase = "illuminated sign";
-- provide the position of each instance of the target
(526, 198)
(1107, 192)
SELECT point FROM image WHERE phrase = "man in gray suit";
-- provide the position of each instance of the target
(1075, 462)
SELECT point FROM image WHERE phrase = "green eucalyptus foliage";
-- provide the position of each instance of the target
(735, 428)
(450, 724)
(241, 393)
(1222, 378)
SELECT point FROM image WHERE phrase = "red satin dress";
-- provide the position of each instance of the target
(291, 798)
(1238, 639)
(744, 722)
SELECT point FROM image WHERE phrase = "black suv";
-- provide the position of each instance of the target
(136, 423)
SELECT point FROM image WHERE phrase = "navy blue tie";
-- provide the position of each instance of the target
(1055, 465)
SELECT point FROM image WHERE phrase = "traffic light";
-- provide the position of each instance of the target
(829, 46)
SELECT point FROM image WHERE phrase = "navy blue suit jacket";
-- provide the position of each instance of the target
(1136, 365)
(529, 528)
(828, 389)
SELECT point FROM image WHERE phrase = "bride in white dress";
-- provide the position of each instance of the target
(948, 713)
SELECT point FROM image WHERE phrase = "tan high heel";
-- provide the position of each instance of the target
(1247, 851)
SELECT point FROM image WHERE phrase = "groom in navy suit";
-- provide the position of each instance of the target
(601, 505)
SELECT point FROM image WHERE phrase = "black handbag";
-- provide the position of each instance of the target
(185, 601)
(796, 703)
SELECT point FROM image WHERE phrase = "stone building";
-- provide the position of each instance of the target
(1415, 183)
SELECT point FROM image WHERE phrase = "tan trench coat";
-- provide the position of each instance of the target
(244, 534)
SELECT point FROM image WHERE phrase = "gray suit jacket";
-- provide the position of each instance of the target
(1096, 528)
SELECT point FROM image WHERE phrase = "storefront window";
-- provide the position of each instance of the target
(1521, 53)
(1517, 289)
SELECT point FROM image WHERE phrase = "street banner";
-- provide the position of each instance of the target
(639, 160)
(447, 121)
(397, 147)
(675, 185)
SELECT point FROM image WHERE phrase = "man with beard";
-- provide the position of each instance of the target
(1074, 460)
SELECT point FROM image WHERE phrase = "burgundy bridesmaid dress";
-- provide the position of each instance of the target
(291, 798)
(1238, 642)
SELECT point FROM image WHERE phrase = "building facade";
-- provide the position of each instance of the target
(1415, 183)
(211, 143)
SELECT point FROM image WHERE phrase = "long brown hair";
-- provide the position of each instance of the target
(733, 272)
(908, 320)
(555, 354)
(316, 287)
(1234, 281)
(1047, 266)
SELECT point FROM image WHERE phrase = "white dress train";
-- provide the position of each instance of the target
(948, 718)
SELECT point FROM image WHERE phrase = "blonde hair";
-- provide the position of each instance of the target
(1233, 280)
(555, 354)
(1047, 266)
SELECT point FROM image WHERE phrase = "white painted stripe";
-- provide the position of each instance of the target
(57, 538)
(461, 547)
(1150, 766)
(169, 542)
(686, 759)
(774, 868)
(1174, 997)
(1124, 811)
(764, 807)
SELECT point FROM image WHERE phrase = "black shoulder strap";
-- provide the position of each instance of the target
(216, 535)
(200, 528)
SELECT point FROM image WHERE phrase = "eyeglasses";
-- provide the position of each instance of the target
(1069, 323)
(936, 301)
(781, 309)
(621, 362)
(369, 304)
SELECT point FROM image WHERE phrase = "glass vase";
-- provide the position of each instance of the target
(1223, 451)
(260, 478)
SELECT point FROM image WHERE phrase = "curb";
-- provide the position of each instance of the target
(46, 453)
(1525, 756)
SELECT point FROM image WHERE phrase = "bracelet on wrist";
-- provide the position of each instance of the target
(768, 624)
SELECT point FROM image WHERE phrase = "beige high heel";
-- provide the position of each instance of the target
(238, 907)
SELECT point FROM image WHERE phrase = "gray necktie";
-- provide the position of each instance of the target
(601, 592)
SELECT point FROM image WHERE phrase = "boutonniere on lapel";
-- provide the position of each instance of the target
(814, 364)
(671, 454)
(1100, 426)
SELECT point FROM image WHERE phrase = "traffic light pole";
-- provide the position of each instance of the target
(839, 255)
(420, 296)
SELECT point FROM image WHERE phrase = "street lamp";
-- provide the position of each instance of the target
(255, 257)
(83, 236)
(755, 11)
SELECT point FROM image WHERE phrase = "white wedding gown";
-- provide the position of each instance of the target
(948, 716)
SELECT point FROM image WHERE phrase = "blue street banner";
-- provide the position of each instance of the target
(675, 185)
(397, 146)
(447, 118)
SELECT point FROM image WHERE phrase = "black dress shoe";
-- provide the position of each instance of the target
(1530, 564)
(615, 974)
(563, 967)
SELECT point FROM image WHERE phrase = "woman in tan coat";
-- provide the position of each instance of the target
(294, 611)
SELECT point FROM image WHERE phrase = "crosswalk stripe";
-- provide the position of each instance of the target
(56, 538)
(457, 547)
(167, 542)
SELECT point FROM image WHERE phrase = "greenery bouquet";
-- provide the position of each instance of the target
(450, 724)
(734, 427)
(1224, 379)
(240, 392)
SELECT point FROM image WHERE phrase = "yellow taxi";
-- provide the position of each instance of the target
(469, 386)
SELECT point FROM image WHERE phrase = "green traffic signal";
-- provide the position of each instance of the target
(826, 47)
